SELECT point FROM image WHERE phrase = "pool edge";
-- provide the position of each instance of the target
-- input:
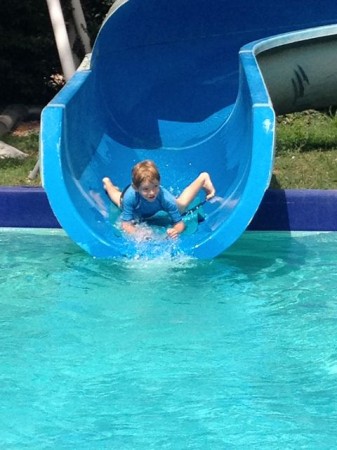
(280, 210)
(25, 207)
(296, 210)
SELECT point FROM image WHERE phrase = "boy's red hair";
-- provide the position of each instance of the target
(145, 171)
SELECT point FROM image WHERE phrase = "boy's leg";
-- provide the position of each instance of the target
(203, 181)
(113, 192)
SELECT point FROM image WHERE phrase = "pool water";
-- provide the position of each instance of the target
(235, 353)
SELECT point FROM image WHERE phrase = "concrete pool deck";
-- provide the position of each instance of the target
(280, 210)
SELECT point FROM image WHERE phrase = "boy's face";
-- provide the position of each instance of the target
(149, 190)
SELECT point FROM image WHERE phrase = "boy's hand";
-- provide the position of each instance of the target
(174, 232)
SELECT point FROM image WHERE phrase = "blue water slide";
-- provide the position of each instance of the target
(194, 86)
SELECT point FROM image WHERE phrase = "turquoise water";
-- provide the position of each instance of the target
(235, 353)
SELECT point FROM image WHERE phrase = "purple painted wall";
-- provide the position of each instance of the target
(300, 210)
(25, 207)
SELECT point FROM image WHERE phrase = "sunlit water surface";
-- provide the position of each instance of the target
(235, 353)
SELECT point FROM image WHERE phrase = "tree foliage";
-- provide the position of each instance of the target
(28, 55)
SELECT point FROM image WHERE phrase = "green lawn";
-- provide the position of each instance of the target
(306, 156)
(14, 172)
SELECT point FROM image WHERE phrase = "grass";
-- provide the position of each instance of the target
(14, 172)
(306, 156)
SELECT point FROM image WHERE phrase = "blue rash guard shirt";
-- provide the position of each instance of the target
(136, 207)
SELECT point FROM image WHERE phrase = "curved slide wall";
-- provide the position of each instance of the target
(180, 83)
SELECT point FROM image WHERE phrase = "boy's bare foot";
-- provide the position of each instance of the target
(208, 186)
(113, 191)
(106, 182)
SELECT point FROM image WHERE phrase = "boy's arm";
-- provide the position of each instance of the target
(138, 233)
(177, 228)
(170, 206)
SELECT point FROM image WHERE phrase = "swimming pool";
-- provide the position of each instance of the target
(234, 353)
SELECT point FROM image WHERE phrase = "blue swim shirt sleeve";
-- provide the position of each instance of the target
(169, 205)
(129, 202)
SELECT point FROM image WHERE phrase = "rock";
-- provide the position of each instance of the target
(7, 151)
(10, 116)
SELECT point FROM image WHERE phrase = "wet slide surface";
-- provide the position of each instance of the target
(194, 86)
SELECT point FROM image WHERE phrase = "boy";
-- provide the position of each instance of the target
(145, 197)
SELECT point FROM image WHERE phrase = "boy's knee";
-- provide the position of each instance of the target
(204, 176)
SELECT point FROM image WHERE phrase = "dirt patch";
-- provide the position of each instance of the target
(26, 128)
